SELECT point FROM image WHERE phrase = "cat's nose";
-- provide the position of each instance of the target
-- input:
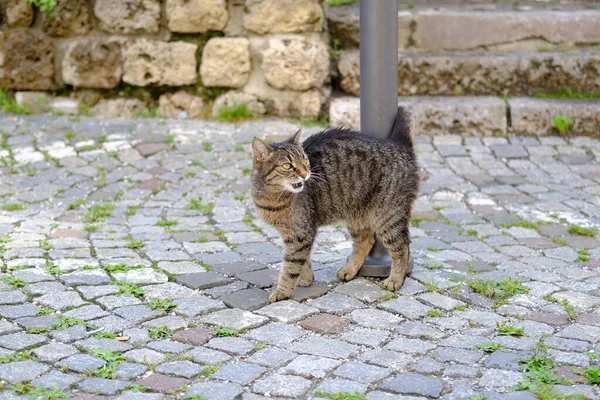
(302, 174)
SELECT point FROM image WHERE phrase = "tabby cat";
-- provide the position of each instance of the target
(338, 175)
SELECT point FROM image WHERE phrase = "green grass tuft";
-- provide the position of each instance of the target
(236, 113)
(561, 123)
(581, 231)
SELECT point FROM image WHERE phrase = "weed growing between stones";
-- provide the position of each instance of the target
(236, 113)
(592, 374)
(210, 370)
(341, 395)
(131, 210)
(559, 241)
(10, 106)
(506, 329)
(166, 223)
(105, 335)
(198, 205)
(132, 243)
(98, 212)
(490, 347)
(161, 304)
(499, 291)
(67, 322)
(566, 94)
(112, 358)
(561, 123)
(20, 356)
(581, 231)
(223, 331)
(13, 206)
(161, 332)
(120, 267)
(136, 387)
(583, 255)
(12, 281)
(521, 224)
(129, 289)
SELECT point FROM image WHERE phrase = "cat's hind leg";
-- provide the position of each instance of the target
(363, 243)
(307, 276)
(394, 235)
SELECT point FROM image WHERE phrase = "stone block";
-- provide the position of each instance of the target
(232, 99)
(296, 63)
(535, 116)
(180, 104)
(225, 62)
(17, 13)
(70, 18)
(152, 62)
(93, 64)
(196, 16)
(128, 16)
(126, 108)
(26, 60)
(439, 115)
(281, 16)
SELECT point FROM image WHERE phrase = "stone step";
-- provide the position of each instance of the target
(480, 73)
(483, 115)
(462, 29)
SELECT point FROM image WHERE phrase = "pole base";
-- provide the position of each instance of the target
(380, 267)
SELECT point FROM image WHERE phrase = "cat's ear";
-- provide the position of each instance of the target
(261, 149)
(296, 139)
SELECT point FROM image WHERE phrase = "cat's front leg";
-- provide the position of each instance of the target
(296, 259)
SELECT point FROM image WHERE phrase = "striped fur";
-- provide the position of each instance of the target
(370, 184)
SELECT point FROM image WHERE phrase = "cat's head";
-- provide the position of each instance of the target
(280, 166)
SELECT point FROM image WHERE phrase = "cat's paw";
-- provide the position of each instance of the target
(393, 284)
(346, 274)
(306, 278)
(279, 295)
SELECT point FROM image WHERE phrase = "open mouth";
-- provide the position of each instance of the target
(297, 185)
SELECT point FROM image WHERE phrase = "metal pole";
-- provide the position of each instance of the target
(378, 92)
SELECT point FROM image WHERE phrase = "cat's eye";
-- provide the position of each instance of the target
(305, 161)
(287, 166)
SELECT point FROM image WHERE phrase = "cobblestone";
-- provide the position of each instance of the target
(215, 267)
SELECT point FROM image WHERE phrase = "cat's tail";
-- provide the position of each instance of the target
(403, 129)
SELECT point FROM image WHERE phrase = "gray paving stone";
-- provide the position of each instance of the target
(272, 357)
(20, 341)
(414, 346)
(106, 344)
(144, 356)
(428, 366)
(202, 280)
(81, 363)
(240, 372)
(263, 278)
(12, 297)
(207, 356)
(333, 386)
(215, 390)
(406, 307)
(55, 379)
(324, 347)
(361, 372)
(496, 378)
(61, 300)
(277, 333)
(282, 385)
(185, 369)
(310, 366)
(335, 303)
(235, 319)
(461, 356)
(246, 299)
(506, 360)
(128, 371)
(102, 386)
(373, 318)
(198, 305)
(366, 337)
(86, 313)
(231, 345)
(70, 334)
(22, 371)
(138, 313)
(287, 311)
(54, 352)
(18, 311)
(409, 383)
(93, 277)
(362, 290)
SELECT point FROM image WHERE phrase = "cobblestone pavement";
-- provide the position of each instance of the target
(133, 261)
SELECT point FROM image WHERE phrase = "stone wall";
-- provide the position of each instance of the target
(184, 56)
